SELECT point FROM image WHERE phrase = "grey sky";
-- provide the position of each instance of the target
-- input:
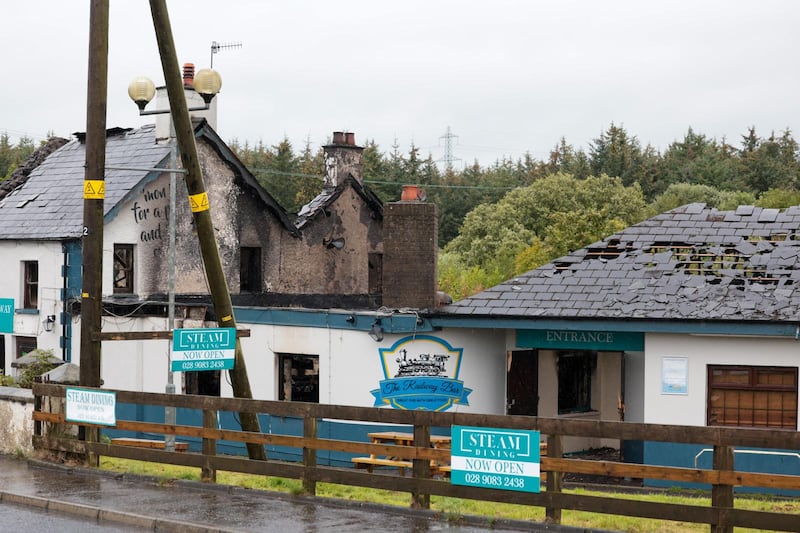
(506, 76)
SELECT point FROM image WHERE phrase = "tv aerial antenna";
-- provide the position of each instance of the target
(216, 47)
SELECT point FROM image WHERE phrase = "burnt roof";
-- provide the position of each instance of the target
(691, 263)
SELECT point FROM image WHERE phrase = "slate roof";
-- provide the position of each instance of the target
(49, 204)
(330, 194)
(691, 263)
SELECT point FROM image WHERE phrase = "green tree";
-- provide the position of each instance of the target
(701, 161)
(769, 163)
(539, 222)
(778, 198)
(617, 154)
(309, 174)
(679, 194)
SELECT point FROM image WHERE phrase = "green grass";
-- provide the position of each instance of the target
(454, 508)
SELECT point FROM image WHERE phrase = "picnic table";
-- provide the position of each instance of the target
(398, 438)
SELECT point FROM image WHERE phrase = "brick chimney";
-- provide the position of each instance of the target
(410, 248)
(342, 158)
(192, 100)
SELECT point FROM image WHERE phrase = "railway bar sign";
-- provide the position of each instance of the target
(506, 459)
(203, 349)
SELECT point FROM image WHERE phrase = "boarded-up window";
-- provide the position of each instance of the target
(30, 283)
(123, 268)
(752, 396)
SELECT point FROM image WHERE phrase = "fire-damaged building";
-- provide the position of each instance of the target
(344, 251)
(690, 317)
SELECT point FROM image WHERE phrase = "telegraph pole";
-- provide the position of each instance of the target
(93, 194)
(198, 199)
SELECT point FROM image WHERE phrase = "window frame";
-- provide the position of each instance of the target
(119, 266)
(738, 416)
(30, 284)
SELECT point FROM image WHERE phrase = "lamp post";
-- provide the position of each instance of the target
(198, 197)
(142, 90)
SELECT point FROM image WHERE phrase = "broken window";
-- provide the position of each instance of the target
(30, 284)
(752, 396)
(123, 268)
(250, 269)
(575, 371)
(299, 378)
(375, 273)
(204, 383)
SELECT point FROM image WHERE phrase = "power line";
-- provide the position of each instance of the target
(432, 186)
(379, 182)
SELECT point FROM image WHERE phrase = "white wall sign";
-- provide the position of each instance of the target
(675, 375)
(91, 407)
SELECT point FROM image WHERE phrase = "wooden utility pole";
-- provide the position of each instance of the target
(93, 194)
(198, 199)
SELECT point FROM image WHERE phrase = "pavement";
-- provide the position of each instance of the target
(137, 503)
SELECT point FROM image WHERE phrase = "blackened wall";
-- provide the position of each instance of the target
(409, 255)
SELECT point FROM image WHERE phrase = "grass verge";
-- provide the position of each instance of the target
(453, 508)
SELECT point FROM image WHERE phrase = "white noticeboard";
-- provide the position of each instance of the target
(91, 407)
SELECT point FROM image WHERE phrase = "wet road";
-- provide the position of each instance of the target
(190, 506)
(31, 520)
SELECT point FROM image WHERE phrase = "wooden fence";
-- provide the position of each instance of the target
(721, 515)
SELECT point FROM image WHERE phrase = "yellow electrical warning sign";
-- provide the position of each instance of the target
(94, 189)
(199, 202)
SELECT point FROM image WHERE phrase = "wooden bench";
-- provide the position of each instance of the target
(153, 444)
(370, 462)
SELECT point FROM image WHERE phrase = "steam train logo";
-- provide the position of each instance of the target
(422, 373)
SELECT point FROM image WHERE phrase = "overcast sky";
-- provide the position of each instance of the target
(506, 76)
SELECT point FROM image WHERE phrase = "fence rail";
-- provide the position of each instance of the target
(721, 515)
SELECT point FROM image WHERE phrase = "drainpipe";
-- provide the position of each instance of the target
(64, 278)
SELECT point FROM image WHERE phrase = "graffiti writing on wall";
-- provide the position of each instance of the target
(151, 212)
(422, 373)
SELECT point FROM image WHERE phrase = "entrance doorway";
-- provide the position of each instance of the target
(522, 382)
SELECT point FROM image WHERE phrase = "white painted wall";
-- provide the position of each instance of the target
(349, 362)
(690, 409)
(50, 258)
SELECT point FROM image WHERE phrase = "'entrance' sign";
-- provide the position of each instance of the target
(492, 458)
(203, 349)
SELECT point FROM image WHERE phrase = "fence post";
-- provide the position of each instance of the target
(555, 448)
(309, 456)
(208, 474)
(722, 495)
(37, 407)
(422, 467)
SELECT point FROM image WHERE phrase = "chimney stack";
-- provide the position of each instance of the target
(410, 248)
(342, 158)
(188, 75)
(192, 100)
